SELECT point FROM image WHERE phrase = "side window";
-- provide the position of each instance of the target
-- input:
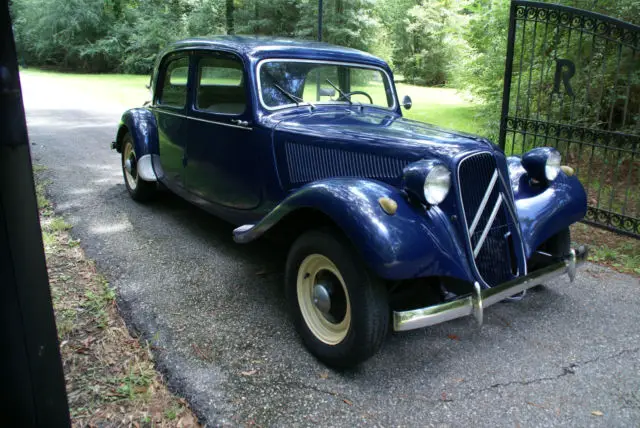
(221, 86)
(174, 86)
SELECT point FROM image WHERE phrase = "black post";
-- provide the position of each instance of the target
(319, 20)
(31, 379)
(319, 39)
(508, 70)
(229, 10)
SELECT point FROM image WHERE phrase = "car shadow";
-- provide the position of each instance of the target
(218, 231)
(270, 256)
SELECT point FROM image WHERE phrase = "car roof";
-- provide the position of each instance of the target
(261, 47)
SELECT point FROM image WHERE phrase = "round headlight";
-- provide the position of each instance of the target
(552, 167)
(437, 185)
(543, 164)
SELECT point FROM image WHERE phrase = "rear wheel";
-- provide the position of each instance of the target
(339, 308)
(139, 189)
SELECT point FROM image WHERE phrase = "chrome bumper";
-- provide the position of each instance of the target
(480, 299)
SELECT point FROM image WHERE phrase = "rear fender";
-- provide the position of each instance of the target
(412, 243)
(141, 124)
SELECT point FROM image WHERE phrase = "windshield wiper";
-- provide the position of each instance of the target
(292, 97)
(342, 94)
(345, 95)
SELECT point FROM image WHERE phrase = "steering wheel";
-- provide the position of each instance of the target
(358, 93)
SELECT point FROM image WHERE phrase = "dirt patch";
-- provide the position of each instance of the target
(619, 252)
(110, 375)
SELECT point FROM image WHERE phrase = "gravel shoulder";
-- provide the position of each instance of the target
(110, 376)
(215, 314)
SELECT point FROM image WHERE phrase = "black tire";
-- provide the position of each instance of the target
(559, 245)
(140, 190)
(367, 299)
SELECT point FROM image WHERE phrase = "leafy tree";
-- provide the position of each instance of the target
(350, 23)
(56, 33)
(425, 37)
(454, 42)
(272, 18)
(205, 18)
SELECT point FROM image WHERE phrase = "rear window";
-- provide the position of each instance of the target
(174, 87)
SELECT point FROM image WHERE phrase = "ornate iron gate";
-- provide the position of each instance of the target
(572, 81)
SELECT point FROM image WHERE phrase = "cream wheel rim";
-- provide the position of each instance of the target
(323, 299)
(129, 165)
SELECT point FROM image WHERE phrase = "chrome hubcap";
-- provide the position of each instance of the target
(321, 298)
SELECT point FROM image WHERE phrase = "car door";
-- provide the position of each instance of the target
(221, 154)
(169, 108)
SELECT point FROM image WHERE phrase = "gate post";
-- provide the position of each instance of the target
(508, 69)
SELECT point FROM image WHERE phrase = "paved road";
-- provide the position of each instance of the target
(215, 311)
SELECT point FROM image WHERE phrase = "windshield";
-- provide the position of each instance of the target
(286, 83)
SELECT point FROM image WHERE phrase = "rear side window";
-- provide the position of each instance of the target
(221, 86)
(174, 86)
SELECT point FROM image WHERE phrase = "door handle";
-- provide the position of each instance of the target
(240, 122)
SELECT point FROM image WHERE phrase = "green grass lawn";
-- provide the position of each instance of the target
(439, 106)
(126, 89)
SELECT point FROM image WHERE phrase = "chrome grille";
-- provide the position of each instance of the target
(489, 229)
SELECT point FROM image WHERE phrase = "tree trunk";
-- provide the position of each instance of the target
(256, 16)
(229, 16)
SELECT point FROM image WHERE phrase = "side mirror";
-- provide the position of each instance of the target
(327, 92)
(406, 102)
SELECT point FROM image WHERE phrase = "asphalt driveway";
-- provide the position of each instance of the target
(215, 312)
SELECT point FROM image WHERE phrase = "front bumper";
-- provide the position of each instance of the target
(480, 299)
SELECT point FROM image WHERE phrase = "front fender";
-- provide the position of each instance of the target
(543, 212)
(412, 243)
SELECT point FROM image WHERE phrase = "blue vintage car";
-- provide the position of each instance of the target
(390, 223)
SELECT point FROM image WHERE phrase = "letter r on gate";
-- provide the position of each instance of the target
(565, 75)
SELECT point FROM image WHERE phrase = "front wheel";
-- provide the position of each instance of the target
(558, 246)
(339, 308)
(139, 189)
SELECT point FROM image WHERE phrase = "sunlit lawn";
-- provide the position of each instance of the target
(439, 106)
(126, 89)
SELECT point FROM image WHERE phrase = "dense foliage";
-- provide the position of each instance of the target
(459, 43)
(482, 70)
(420, 37)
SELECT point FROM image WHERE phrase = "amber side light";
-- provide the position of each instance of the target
(388, 205)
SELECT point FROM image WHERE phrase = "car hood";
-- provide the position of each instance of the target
(375, 131)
